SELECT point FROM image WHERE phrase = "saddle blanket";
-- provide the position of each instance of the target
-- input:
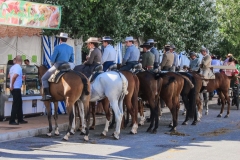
(56, 76)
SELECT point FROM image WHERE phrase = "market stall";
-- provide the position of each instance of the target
(21, 25)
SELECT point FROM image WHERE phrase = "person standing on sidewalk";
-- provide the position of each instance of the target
(15, 88)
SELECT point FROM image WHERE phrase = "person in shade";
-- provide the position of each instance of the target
(167, 60)
(15, 74)
(194, 62)
(131, 56)
(62, 53)
(147, 57)
(109, 53)
(155, 52)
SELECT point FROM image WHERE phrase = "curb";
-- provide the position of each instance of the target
(62, 127)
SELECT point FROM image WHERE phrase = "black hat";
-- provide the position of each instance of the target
(145, 45)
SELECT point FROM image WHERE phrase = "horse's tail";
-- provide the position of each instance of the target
(124, 84)
(84, 81)
(186, 79)
(192, 99)
(170, 80)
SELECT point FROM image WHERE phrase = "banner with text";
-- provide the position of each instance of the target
(30, 14)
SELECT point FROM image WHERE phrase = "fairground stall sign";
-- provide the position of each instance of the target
(29, 14)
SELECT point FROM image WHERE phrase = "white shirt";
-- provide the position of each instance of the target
(109, 54)
(16, 69)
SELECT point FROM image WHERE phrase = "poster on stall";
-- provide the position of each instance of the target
(30, 14)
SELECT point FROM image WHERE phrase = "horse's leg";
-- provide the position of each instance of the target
(173, 109)
(130, 110)
(85, 106)
(118, 110)
(70, 109)
(141, 112)
(222, 101)
(156, 115)
(200, 107)
(82, 116)
(205, 100)
(113, 120)
(152, 117)
(106, 109)
(49, 114)
(56, 118)
(228, 102)
(186, 104)
(92, 104)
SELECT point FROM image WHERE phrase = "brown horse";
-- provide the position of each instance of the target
(170, 94)
(221, 83)
(149, 91)
(71, 87)
(130, 100)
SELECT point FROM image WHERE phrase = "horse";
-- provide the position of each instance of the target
(221, 83)
(113, 86)
(72, 86)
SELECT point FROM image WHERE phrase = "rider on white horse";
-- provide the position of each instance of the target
(131, 56)
(109, 54)
(62, 53)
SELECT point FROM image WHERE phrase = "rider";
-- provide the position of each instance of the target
(62, 53)
(194, 62)
(95, 54)
(131, 56)
(205, 65)
(168, 58)
(147, 56)
(155, 52)
(109, 54)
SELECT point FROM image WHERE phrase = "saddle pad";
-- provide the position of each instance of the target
(56, 76)
(94, 76)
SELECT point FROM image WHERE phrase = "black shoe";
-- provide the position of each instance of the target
(47, 95)
(23, 122)
(13, 123)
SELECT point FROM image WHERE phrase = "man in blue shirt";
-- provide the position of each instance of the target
(62, 53)
(131, 56)
(109, 53)
(155, 52)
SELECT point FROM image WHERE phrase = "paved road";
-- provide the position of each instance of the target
(213, 138)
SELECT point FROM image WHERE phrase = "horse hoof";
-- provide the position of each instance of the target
(131, 132)
(173, 130)
(49, 134)
(170, 125)
(154, 131)
(139, 124)
(149, 130)
(65, 138)
(116, 138)
(219, 116)
(92, 128)
(85, 138)
(183, 113)
(206, 113)
(184, 123)
(226, 116)
(194, 123)
(71, 133)
(56, 134)
(102, 134)
(82, 133)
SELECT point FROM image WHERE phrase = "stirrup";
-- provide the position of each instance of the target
(46, 98)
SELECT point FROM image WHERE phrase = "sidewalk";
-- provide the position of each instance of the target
(39, 125)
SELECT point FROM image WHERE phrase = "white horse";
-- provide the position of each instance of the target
(112, 85)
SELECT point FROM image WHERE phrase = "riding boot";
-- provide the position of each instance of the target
(46, 96)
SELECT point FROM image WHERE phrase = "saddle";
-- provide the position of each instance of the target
(62, 69)
(97, 71)
(113, 67)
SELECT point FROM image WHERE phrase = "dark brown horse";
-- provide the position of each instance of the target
(71, 87)
(221, 83)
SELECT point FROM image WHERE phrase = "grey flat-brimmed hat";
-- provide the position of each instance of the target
(146, 44)
(130, 38)
(172, 46)
(203, 49)
(151, 41)
(107, 38)
(93, 40)
(62, 35)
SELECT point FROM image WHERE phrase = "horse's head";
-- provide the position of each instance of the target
(42, 69)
